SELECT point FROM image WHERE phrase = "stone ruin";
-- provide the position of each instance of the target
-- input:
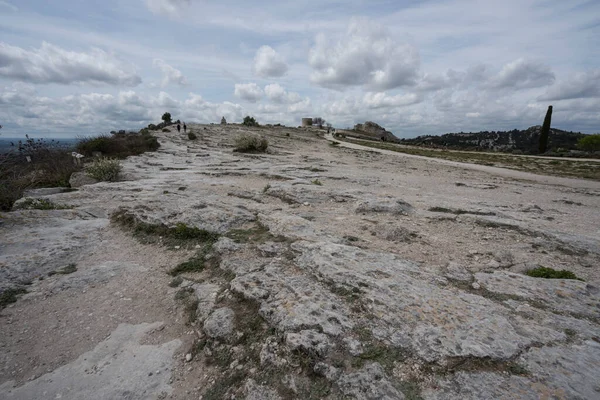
(223, 121)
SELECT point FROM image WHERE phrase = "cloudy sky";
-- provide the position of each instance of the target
(71, 67)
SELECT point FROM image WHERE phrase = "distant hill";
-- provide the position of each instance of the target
(6, 144)
(525, 141)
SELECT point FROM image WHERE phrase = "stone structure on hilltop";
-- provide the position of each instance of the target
(223, 121)
(306, 122)
(374, 129)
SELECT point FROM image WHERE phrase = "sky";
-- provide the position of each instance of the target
(78, 68)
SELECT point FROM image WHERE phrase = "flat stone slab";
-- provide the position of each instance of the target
(118, 368)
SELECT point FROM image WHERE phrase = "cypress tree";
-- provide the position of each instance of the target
(545, 131)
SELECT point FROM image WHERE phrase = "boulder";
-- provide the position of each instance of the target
(219, 324)
(79, 179)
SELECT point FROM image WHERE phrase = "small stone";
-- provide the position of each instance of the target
(476, 286)
(188, 357)
(220, 323)
(177, 247)
(306, 203)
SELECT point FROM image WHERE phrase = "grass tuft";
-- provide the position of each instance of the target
(549, 273)
(10, 296)
(246, 143)
(40, 204)
(67, 269)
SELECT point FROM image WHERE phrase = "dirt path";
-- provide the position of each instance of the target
(504, 172)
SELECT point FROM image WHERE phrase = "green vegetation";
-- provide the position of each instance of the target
(187, 296)
(246, 143)
(317, 182)
(589, 143)
(67, 269)
(568, 168)
(10, 296)
(195, 264)
(104, 169)
(166, 130)
(178, 235)
(120, 145)
(256, 234)
(549, 273)
(458, 211)
(249, 121)
(32, 164)
(192, 135)
(166, 117)
(40, 204)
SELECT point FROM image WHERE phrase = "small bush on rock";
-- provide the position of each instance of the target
(549, 273)
(120, 145)
(192, 136)
(166, 130)
(104, 169)
(251, 143)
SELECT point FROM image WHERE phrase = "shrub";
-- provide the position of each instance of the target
(317, 182)
(152, 127)
(104, 169)
(120, 145)
(589, 143)
(549, 273)
(249, 121)
(50, 165)
(40, 204)
(192, 136)
(166, 130)
(10, 296)
(166, 117)
(251, 143)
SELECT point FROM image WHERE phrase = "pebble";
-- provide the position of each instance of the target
(476, 286)
(188, 357)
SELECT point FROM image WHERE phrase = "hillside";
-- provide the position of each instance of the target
(312, 271)
(525, 141)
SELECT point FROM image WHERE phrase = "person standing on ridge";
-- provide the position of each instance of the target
(184, 128)
(178, 128)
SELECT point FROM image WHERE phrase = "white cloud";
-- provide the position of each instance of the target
(381, 100)
(170, 75)
(581, 85)
(248, 91)
(523, 74)
(92, 113)
(168, 7)
(51, 64)
(268, 63)
(278, 94)
(367, 55)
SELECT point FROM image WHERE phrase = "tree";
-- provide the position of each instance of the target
(249, 121)
(545, 131)
(167, 117)
(319, 122)
(589, 143)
